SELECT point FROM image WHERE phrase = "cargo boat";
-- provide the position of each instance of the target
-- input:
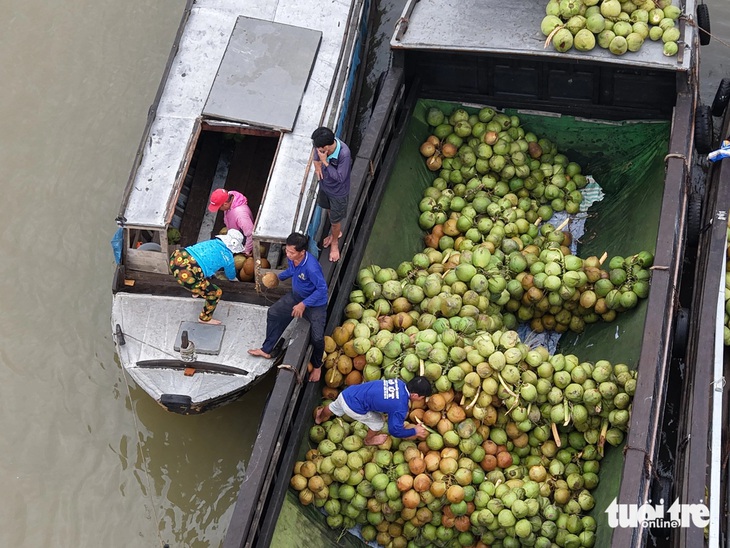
(477, 53)
(245, 85)
(700, 469)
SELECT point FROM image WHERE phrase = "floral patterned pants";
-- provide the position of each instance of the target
(188, 274)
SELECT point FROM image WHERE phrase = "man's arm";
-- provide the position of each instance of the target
(319, 294)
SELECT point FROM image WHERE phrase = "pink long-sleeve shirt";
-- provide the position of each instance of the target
(239, 216)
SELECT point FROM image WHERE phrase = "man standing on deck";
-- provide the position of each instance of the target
(236, 213)
(332, 163)
(368, 401)
(308, 299)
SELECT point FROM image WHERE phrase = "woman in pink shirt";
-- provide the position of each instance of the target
(236, 213)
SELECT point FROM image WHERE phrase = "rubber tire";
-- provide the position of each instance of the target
(703, 129)
(722, 96)
(681, 332)
(703, 22)
(694, 220)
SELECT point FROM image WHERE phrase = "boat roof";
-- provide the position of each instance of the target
(512, 27)
(187, 96)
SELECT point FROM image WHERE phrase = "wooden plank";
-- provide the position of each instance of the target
(649, 400)
(205, 166)
(248, 503)
(250, 167)
(694, 454)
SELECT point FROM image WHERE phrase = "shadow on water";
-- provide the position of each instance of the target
(190, 468)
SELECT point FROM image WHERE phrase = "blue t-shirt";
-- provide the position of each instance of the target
(211, 256)
(383, 396)
(307, 281)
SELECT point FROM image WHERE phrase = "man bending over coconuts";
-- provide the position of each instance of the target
(368, 401)
(307, 299)
(332, 163)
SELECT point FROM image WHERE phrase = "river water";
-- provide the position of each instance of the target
(86, 459)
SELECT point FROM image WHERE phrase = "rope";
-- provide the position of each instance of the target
(141, 452)
(691, 22)
(165, 352)
(144, 460)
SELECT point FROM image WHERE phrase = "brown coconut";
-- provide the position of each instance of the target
(270, 280)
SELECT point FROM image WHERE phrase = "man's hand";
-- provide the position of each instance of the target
(318, 169)
(322, 157)
(298, 310)
(421, 432)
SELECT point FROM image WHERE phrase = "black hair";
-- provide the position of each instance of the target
(323, 137)
(299, 241)
(420, 385)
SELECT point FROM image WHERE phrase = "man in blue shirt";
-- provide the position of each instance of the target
(368, 401)
(332, 163)
(193, 265)
(308, 299)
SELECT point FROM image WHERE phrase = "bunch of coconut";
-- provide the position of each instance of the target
(512, 456)
(613, 25)
(489, 166)
(424, 314)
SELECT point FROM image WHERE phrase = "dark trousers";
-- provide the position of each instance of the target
(279, 316)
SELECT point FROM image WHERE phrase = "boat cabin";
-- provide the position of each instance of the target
(245, 86)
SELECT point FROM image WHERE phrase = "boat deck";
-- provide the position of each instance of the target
(244, 326)
(152, 196)
(513, 27)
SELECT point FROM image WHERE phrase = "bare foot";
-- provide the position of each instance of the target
(334, 253)
(315, 374)
(210, 322)
(376, 440)
(260, 353)
(328, 240)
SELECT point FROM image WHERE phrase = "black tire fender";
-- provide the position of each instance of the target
(722, 96)
(703, 22)
(681, 332)
(703, 129)
(694, 219)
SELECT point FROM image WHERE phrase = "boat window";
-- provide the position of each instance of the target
(263, 74)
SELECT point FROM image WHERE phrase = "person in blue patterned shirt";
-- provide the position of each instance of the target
(368, 401)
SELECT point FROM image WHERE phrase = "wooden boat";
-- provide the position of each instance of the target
(245, 85)
(492, 53)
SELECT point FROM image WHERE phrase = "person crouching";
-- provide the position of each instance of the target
(368, 401)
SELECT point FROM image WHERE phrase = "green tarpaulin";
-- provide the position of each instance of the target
(627, 161)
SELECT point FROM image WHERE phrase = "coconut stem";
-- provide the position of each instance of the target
(550, 36)
(603, 258)
(504, 384)
(602, 437)
(476, 396)
(556, 436)
(419, 421)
